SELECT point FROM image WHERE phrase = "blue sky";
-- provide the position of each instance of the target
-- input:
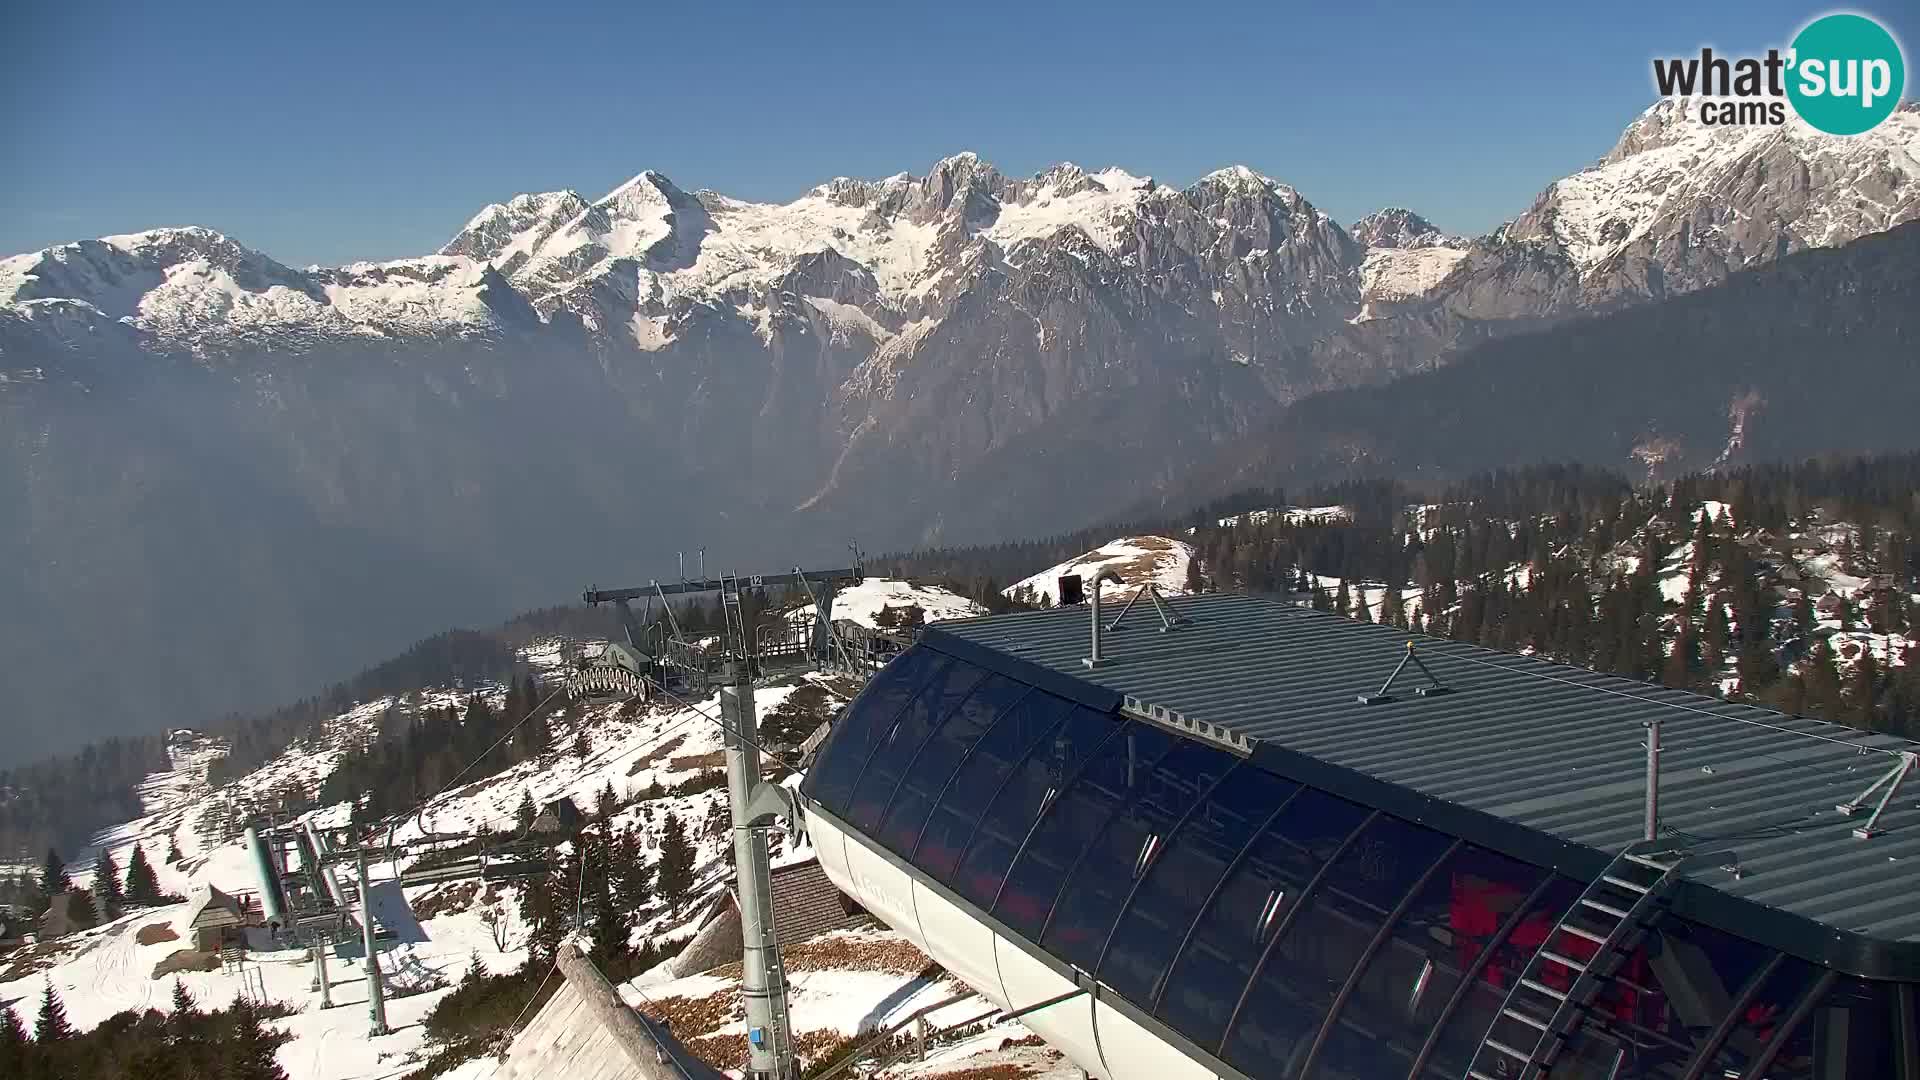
(349, 130)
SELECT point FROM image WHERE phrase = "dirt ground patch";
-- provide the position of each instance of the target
(730, 1051)
(694, 1017)
(1134, 569)
(654, 756)
(837, 953)
(990, 1072)
(457, 897)
(23, 962)
(692, 762)
(187, 960)
(155, 933)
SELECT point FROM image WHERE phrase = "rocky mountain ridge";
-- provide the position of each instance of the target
(950, 357)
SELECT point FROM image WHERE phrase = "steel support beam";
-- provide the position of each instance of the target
(763, 977)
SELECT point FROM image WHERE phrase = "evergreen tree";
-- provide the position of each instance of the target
(53, 876)
(1393, 611)
(1343, 599)
(13, 1044)
(524, 813)
(106, 884)
(607, 804)
(1822, 681)
(1862, 693)
(581, 747)
(51, 1025)
(247, 1049)
(173, 849)
(632, 875)
(675, 871)
(1195, 583)
(143, 887)
(612, 925)
(1713, 646)
(184, 1007)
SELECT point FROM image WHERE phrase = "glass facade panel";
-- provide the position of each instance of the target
(1230, 935)
(1664, 1003)
(1072, 819)
(955, 820)
(1306, 968)
(897, 748)
(1190, 865)
(1760, 1018)
(867, 719)
(1129, 844)
(1409, 981)
(1852, 1033)
(1480, 908)
(927, 775)
(1031, 785)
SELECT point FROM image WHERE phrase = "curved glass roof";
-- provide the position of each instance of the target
(1277, 926)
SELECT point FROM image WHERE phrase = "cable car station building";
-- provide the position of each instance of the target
(1208, 842)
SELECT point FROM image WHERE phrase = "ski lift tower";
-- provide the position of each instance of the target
(743, 652)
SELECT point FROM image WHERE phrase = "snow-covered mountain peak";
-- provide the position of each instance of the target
(1675, 185)
(507, 232)
(1398, 227)
(1240, 175)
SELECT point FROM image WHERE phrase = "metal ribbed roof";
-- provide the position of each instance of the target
(1549, 747)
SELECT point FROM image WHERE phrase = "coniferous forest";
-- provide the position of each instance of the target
(1566, 561)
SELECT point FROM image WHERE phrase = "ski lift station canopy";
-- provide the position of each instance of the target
(1250, 858)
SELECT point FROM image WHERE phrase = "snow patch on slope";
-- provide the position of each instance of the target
(862, 603)
(1137, 559)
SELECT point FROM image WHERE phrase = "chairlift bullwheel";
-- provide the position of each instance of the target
(603, 684)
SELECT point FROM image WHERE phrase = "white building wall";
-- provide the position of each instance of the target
(997, 968)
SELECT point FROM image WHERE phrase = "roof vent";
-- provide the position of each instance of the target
(1382, 697)
(1070, 590)
(1095, 659)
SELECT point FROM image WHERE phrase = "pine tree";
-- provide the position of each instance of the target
(248, 1049)
(476, 972)
(184, 1007)
(51, 1026)
(53, 876)
(612, 925)
(631, 874)
(142, 886)
(173, 849)
(1393, 611)
(106, 884)
(524, 814)
(1822, 681)
(14, 1049)
(581, 747)
(1863, 691)
(1343, 599)
(675, 871)
(608, 804)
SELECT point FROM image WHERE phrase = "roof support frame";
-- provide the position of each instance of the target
(1472, 973)
(1286, 925)
(1186, 940)
(1126, 904)
(1366, 957)
(1803, 1009)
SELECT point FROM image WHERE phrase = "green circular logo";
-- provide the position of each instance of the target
(1847, 74)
